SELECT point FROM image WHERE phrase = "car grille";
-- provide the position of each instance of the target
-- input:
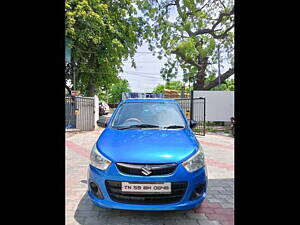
(115, 193)
(155, 169)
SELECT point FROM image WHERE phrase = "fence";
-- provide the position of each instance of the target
(194, 108)
(80, 112)
(70, 117)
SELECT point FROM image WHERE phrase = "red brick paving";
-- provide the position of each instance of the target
(78, 149)
(227, 222)
(214, 211)
(224, 211)
(219, 135)
(219, 164)
(217, 145)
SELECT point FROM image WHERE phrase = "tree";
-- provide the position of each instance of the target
(102, 33)
(227, 85)
(173, 85)
(192, 38)
(159, 88)
(117, 89)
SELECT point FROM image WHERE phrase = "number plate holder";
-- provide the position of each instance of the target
(146, 188)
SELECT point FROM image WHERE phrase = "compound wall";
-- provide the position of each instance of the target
(219, 104)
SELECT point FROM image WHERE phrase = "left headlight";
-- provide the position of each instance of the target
(98, 160)
(195, 162)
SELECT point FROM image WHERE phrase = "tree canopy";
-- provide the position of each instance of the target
(227, 85)
(172, 85)
(117, 89)
(102, 33)
(188, 33)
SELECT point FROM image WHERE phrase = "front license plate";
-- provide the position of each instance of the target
(150, 188)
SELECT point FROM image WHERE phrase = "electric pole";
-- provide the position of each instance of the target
(74, 78)
(219, 64)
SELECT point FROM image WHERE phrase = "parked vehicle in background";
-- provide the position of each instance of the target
(103, 108)
(147, 158)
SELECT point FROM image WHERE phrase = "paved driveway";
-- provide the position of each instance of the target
(217, 209)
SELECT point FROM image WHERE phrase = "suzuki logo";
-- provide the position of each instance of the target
(146, 170)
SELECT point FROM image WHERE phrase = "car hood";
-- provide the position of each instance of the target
(147, 145)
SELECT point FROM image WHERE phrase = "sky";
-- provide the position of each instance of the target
(146, 76)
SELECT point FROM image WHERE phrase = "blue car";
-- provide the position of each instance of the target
(147, 158)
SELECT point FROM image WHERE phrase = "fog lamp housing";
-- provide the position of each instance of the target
(198, 191)
(93, 187)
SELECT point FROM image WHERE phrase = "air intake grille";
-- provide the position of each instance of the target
(147, 169)
(115, 193)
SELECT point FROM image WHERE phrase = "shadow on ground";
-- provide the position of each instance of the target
(89, 214)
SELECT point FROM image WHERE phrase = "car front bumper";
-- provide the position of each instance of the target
(179, 175)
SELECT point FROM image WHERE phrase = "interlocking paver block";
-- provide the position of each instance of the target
(120, 220)
(217, 209)
(95, 220)
(195, 215)
(209, 222)
(186, 222)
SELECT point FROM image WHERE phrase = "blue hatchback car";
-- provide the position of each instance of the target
(147, 158)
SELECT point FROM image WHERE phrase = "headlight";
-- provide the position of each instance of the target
(195, 162)
(98, 160)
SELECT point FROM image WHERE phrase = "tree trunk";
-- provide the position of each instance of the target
(215, 82)
(91, 84)
(201, 65)
(91, 88)
(199, 85)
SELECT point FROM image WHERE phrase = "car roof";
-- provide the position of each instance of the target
(149, 100)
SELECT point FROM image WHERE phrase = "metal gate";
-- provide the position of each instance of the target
(194, 108)
(80, 113)
(70, 117)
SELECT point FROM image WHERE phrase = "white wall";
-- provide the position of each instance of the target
(219, 104)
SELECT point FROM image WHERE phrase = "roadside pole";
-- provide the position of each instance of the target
(192, 105)
(74, 78)
(219, 64)
(182, 92)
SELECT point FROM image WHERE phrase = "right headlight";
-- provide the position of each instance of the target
(195, 162)
(98, 160)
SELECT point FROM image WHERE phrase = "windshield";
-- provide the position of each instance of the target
(148, 115)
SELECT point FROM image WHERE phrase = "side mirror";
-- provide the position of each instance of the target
(99, 123)
(193, 124)
(102, 123)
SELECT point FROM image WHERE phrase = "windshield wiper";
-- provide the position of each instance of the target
(173, 127)
(138, 126)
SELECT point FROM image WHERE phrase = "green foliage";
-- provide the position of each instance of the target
(159, 88)
(189, 33)
(116, 90)
(102, 33)
(172, 85)
(227, 85)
